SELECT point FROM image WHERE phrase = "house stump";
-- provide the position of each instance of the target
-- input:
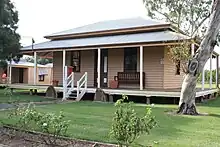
(100, 95)
(51, 92)
(111, 98)
(148, 100)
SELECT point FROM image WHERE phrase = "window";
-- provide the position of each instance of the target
(75, 61)
(130, 59)
(178, 68)
(41, 78)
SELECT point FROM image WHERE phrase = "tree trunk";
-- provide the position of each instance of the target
(188, 91)
(187, 97)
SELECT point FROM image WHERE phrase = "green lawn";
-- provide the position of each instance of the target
(92, 121)
(20, 96)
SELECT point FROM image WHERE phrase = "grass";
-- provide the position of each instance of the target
(92, 121)
(20, 96)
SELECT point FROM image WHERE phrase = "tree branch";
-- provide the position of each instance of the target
(167, 17)
(199, 25)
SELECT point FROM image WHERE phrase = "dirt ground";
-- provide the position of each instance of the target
(14, 138)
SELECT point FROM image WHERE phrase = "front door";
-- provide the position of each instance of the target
(21, 75)
(104, 68)
(130, 60)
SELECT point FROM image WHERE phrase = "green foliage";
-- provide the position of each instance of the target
(207, 76)
(180, 53)
(42, 61)
(127, 125)
(3, 64)
(191, 16)
(188, 15)
(49, 123)
(9, 39)
(218, 92)
(8, 92)
(11, 97)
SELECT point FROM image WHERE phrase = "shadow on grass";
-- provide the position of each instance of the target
(93, 121)
(169, 125)
(214, 115)
(211, 103)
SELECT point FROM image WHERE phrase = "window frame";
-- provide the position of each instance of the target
(178, 68)
(129, 52)
(79, 61)
(41, 79)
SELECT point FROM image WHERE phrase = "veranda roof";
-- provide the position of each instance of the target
(148, 37)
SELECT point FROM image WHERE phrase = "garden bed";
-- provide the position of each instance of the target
(14, 137)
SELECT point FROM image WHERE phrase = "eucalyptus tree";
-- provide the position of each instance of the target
(197, 18)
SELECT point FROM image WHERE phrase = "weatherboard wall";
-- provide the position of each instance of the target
(86, 62)
(171, 80)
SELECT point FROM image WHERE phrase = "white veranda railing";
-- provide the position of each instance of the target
(81, 86)
(68, 85)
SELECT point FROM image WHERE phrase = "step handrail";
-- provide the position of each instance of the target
(68, 81)
(80, 89)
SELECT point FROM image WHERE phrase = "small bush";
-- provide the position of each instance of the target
(49, 123)
(127, 125)
(218, 92)
(8, 92)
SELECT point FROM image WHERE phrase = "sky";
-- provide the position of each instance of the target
(43, 17)
(38, 18)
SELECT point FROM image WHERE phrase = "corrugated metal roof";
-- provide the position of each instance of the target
(25, 64)
(110, 40)
(112, 25)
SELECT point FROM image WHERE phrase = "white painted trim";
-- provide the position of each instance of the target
(73, 78)
(210, 80)
(64, 64)
(10, 72)
(105, 64)
(141, 67)
(82, 86)
(216, 72)
(192, 49)
(206, 92)
(99, 68)
(118, 91)
(35, 68)
(203, 79)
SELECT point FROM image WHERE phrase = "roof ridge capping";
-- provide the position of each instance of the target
(111, 25)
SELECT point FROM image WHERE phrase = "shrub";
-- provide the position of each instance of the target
(127, 125)
(180, 55)
(8, 92)
(51, 124)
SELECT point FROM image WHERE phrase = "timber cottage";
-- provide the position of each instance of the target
(126, 56)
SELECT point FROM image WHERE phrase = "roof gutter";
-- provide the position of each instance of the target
(105, 46)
